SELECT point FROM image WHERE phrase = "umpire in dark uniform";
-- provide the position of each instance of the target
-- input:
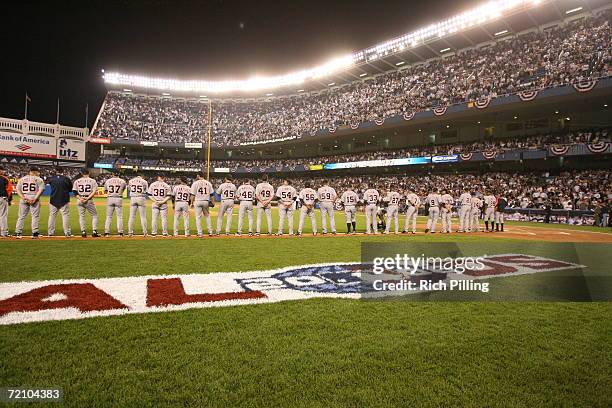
(61, 186)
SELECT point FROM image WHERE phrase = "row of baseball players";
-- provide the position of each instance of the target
(200, 196)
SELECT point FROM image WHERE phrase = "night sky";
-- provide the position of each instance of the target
(57, 48)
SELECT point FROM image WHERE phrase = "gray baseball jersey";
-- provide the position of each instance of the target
(84, 186)
(201, 190)
(138, 187)
(115, 187)
(30, 186)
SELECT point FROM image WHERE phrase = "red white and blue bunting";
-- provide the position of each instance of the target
(598, 147)
(466, 156)
(559, 150)
(409, 115)
(483, 102)
(354, 126)
(489, 155)
(380, 121)
(585, 86)
(527, 96)
(332, 128)
(440, 110)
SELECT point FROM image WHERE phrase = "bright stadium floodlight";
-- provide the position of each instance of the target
(445, 49)
(252, 84)
(502, 32)
(482, 14)
(487, 12)
(573, 10)
(399, 64)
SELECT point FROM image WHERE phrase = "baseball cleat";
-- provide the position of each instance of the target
(95, 234)
(106, 235)
(18, 236)
(35, 235)
(83, 234)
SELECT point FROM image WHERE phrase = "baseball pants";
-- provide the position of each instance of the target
(4, 216)
(157, 211)
(90, 207)
(138, 204)
(370, 212)
(411, 216)
(65, 211)
(499, 217)
(350, 213)
(181, 209)
(475, 221)
(285, 212)
(327, 210)
(310, 212)
(489, 214)
(260, 211)
(392, 215)
(225, 209)
(114, 205)
(434, 214)
(246, 207)
(464, 218)
(201, 209)
(446, 215)
(24, 210)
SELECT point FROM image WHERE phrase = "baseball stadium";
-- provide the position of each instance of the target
(423, 221)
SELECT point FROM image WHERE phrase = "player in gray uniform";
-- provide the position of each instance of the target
(327, 197)
(489, 215)
(286, 198)
(246, 195)
(264, 193)
(465, 206)
(371, 197)
(201, 190)
(413, 202)
(446, 211)
(349, 201)
(433, 200)
(138, 188)
(160, 192)
(85, 188)
(393, 202)
(29, 189)
(181, 197)
(227, 191)
(308, 197)
(475, 213)
(114, 188)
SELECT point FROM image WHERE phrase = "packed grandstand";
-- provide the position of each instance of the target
(568, 53)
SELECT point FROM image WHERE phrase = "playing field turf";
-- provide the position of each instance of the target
(318, 352)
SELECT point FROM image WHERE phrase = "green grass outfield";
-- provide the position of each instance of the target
(319, 352)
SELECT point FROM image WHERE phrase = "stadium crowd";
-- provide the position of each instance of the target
(497, 146)
(557, 56)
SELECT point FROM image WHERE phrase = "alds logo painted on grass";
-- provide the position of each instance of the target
(24, 302)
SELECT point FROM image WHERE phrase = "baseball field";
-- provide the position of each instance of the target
(532, 340)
